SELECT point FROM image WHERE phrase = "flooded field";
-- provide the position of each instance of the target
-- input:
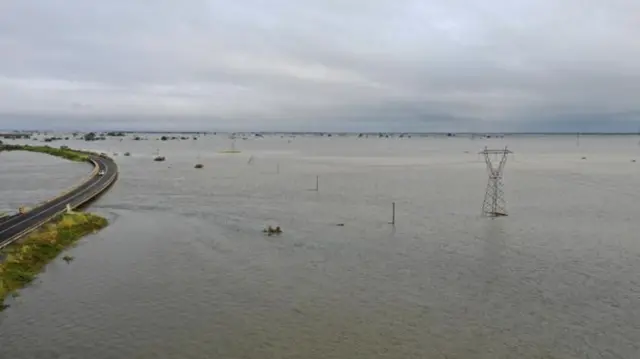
(184, 270)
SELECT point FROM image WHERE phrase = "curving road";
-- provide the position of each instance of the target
(16, 226)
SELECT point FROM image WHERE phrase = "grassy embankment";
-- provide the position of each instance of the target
(24, 259)
(67, 153)
(21, 261)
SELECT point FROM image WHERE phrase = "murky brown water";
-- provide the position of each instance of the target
(28, 178)
(184, 271)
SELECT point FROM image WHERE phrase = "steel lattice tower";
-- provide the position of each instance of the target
(494, 204)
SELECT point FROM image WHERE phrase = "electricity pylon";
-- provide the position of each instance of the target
(494, 204)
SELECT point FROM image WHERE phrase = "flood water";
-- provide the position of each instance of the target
(184, 270)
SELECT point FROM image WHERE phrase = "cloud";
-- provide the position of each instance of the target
(254, 64)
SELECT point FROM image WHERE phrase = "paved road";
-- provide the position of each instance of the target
(7, 217)
(9, 229)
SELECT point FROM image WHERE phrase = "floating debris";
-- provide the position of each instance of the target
(270, 231)
(67, 258)
(340, 224)
(199, 165)
(158, 158)
(127, 154)
(584, 158)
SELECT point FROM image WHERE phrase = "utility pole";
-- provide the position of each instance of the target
(494, 204)
(393, 214)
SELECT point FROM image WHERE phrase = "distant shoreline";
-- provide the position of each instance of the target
(14, 131)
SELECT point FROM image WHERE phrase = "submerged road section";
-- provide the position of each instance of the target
(104, 174)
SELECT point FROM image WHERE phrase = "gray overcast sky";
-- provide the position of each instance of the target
(405, 65)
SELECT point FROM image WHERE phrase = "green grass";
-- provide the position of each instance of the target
(69, 154)
(26, 258)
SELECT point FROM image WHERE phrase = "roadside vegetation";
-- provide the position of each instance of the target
(63, 152)
(21, 261)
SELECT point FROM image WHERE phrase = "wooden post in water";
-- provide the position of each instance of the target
(317, 183)
(393, 213)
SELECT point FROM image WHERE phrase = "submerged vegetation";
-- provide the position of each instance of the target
(270, 231)
(23, 260)
(63, 152)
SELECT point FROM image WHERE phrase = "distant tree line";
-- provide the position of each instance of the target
(92, 136)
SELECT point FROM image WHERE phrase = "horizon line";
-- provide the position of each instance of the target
(14, 131)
